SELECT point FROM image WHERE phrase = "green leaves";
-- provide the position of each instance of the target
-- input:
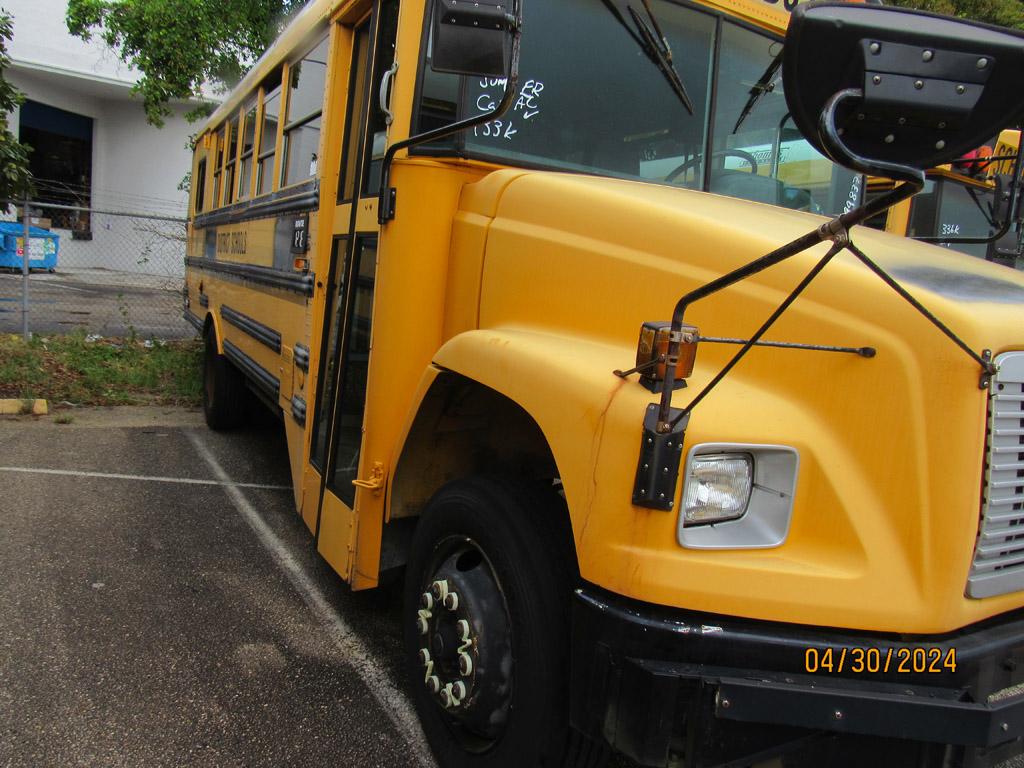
(178, 45)
(1005, 13)
(15, 178)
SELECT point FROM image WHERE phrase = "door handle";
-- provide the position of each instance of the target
(385, 100)
(376, 481)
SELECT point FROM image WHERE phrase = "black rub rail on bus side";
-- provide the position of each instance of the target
(301, 282)
(301, 356)
(194, 320)
(265, 382)
(264, 334)
(299, 410)
(301, 197)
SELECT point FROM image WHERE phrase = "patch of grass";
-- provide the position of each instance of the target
(102, 371)
(64, 419)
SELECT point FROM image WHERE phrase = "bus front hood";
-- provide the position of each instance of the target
(891, 448)
(638, 247)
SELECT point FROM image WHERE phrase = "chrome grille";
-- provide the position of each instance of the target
(998, 565)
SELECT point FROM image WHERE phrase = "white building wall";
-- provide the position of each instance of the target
(41, 37)
(136, 167)
(143, 165)
(57, 91)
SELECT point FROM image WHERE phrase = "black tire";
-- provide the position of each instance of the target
(501, 547)
(224, 393)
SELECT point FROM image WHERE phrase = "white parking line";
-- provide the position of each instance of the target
(55, 284)
(390, 698)
(144, 478)
(49, 282)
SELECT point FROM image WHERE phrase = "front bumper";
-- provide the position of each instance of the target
(663, 685)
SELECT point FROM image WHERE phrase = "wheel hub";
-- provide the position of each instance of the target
(466, 652)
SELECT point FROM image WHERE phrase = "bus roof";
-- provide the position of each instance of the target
(304, 28)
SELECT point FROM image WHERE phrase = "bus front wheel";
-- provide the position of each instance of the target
(223, 389)
(486, 630)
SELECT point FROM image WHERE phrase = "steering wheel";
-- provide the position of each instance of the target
(722, 153)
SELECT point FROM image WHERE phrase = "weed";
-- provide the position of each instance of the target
(64, 418)
(122, 307)
(81, 370)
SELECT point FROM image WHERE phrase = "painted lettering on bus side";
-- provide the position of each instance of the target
(232, 243)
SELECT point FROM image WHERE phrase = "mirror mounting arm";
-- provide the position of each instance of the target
(835, 230)
(387, 196)
(838, 151)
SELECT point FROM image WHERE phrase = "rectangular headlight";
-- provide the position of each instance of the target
(717, 488)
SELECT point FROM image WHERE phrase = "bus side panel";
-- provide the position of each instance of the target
(262, 322)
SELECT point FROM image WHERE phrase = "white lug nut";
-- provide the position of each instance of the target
(458, 691)
(463, 627)
(451, 601)
(465, 664)
(440, 589)
(446, 697)
(424, 655)
(427, 600)
(422, 625)
(433, 684)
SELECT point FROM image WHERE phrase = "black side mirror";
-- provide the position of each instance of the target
(469, 37)
(896, 88)
(473, 37)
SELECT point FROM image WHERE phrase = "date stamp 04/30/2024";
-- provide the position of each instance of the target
(875, 660)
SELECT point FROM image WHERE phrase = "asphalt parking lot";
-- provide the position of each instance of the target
(162, 605)
(102, 301)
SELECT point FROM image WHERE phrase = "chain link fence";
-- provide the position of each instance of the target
(107, 272)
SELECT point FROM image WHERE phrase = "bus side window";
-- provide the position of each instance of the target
(268, 140)
(924, 211)
(357, 91)
(879, 220)
(302, 125)
(218, 165)
(199, 186)
(377, 127)
(248, 137)
(229, 169)
(965, 211)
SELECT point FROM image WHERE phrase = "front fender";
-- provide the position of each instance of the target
(568, 387)
(592, 421)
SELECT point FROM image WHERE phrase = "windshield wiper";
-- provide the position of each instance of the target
(759, 89)
(652, 41)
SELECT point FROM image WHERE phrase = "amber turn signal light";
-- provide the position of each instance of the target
(652, 354)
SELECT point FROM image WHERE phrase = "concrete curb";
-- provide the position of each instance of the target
(15, 407)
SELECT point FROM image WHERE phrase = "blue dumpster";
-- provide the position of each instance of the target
(42, 252)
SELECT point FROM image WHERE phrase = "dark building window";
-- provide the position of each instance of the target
(60, 161)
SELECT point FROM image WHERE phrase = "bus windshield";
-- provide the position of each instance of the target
(591, 100)
(950, 208)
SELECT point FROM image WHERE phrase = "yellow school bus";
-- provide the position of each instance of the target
(441, 239)
(975, 213)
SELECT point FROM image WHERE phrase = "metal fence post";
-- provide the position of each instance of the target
(121, 272)
(26, 246)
